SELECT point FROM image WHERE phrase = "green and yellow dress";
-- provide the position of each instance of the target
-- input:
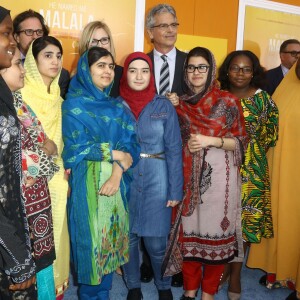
(261, 118)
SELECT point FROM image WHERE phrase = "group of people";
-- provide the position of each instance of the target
(166, 155)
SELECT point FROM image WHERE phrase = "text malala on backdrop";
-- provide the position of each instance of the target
(66, 20)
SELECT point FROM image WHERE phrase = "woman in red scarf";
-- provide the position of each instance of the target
(157, 178)
(207, 230)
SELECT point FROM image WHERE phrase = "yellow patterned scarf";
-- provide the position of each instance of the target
(47, 106)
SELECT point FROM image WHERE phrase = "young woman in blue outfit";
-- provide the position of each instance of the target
(100, 145)
(157, 178)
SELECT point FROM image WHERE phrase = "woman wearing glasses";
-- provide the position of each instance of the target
(242, 75)
(97, 33)
(207, 229)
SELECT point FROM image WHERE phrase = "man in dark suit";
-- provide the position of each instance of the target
(29, 25)
(289, 53)
(162, 24)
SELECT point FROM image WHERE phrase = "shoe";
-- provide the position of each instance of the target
(263, 280)
(270, 282)
(177, 280)
(134, 294)
(234, 296)
(292, 296)
(187, 298)
(146, 273)
(165, 294)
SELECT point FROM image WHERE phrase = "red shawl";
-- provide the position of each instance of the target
(218, 114)
(137, 100)
(211, 112)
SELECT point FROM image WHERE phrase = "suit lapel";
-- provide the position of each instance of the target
(151, 55)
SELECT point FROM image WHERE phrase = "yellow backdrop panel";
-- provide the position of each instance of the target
(67, 18)
(265, 30)
(217, 18)
(217, 46)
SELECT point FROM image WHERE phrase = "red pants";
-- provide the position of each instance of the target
(193, 278)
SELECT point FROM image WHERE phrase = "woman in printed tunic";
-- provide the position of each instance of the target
(37, 169)
(207, 229)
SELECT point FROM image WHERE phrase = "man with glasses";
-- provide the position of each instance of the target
(28, 26)
(162, 25)
(289, 53)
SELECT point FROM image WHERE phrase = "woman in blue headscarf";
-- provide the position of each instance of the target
(100, 147)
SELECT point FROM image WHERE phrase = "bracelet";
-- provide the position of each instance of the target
(120, 165)
(222, 143)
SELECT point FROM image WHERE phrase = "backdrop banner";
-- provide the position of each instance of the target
(218, 46)
(264, 25)
(67, 18)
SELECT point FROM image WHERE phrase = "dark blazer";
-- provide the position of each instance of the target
(63, 82)
(273, 78)
(178, 82)
(115, 88)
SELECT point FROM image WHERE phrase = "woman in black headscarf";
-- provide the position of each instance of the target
(17, 269)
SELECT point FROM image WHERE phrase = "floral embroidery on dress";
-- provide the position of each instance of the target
(8, 128)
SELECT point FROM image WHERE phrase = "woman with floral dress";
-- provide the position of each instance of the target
(37, 168)
(242, 75)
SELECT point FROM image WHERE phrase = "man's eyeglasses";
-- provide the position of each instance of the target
(293, 53)
(200, 68)
(30, 32)
(165, 27)
(237, 69)
(102, 41)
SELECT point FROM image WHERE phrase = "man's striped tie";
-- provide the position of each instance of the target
(164, 80)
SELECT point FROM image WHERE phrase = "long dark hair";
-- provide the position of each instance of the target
(42, 42)
(258, 79)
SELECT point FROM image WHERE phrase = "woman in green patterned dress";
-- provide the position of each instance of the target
(242, 75)
(100, 145)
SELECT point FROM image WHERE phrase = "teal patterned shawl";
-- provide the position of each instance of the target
(102, 118)
(94, 124)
